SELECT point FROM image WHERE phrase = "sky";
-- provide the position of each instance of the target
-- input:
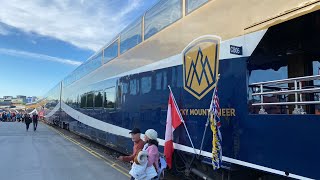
(42, 41)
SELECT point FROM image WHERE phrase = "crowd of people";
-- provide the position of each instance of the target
(20, 117)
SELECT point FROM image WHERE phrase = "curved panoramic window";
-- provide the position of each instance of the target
(161, 15)
(130, 37)
(192, 5)
(94, 63)
(110, 52)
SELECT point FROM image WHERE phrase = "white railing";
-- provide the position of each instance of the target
(297, 91)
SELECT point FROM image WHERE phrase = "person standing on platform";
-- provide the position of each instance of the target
(9, 116)
(23, 117)
(13, 117)
(18, 117)
(4, 116)
(27, 120)
(138, 145)
(35, 121)
(151, 147)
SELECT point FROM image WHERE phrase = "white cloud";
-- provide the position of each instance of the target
(3, 30)
(85, 24)
(17, 53)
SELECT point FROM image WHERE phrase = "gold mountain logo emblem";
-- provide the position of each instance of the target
(201, 65)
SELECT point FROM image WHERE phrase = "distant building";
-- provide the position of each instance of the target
(31, 99)
(5, 101)
(24, 98)
(7, 97)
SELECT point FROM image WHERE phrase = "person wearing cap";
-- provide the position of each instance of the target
(138, 145)
(152, 148)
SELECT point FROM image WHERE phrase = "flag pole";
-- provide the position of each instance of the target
(208, 119)
(183, 121)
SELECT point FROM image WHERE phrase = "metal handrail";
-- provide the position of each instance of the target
(298, 91)
(289, 80)
(287, 103)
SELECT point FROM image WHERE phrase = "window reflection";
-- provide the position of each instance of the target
(145, 84)
(90, 100)
(110, 52)
(98, 99)
(131, 36)
(158, 80)
(109, 97)
(165, 82)
(161, 15)
(83, 102)
(133, 87)
(191, 5)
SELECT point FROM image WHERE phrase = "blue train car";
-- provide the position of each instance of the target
(268, 86)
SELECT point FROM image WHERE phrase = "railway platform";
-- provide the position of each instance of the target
(47, 155)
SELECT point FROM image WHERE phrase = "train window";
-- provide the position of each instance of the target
(158, 80)
(131, 36)
(125, 88)
(192, 5)
(145, 84)
(161, 15)
(94, 63)
(109, 97)
(78, 101)
(98, 99)
(119, 94)
(90, 97)
(110, 52)
(83, 102)
(165, 81)
(133, 87)
(161, 80)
